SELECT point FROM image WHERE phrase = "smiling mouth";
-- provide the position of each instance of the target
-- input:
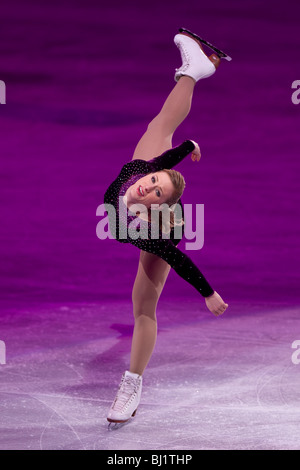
(140, 191)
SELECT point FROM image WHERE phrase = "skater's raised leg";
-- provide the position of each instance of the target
(158, 137)
(196, 66)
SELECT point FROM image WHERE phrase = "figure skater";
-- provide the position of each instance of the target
(147, 181)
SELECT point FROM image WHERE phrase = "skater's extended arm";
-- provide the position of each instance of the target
(173, 156)
(179, 261)
(184, 267)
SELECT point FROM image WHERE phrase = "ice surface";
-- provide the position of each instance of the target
(212, 383)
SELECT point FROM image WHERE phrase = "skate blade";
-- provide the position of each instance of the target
(219, 53)
(114, 425)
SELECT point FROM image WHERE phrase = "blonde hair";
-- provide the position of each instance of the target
(178, 181)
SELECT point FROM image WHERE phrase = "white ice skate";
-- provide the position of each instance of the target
(127, 399)
(195, 63)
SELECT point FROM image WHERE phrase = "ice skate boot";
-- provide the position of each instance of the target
(127, 399)
(195, 62)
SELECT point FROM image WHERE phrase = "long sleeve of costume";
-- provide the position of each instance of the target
(171, 157)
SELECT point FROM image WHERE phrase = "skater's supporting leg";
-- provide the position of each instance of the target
(158, 137)
(150, 279)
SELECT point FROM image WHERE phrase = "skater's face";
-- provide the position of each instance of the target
(154, 188)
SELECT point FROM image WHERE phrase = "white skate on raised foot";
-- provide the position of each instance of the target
(195, 63)
(126, 401)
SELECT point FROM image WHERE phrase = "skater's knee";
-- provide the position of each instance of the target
(144, 313)
(144, 307)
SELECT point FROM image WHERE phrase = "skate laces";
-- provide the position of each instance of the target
(184, 57)
(126, 393)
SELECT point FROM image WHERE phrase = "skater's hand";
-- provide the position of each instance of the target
(216, 304)
(196, 154)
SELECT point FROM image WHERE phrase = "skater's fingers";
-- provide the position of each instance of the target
(223, 308)
(216, 312)
(195, 157)
(219, 311)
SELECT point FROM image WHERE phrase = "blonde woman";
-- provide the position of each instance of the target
(145, 184)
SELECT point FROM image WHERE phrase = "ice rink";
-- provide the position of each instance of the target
(82, 84)
(218, 384)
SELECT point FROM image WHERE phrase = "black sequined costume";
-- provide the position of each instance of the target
(165, 248)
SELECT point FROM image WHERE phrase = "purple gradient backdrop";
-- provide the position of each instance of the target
(82, 84)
